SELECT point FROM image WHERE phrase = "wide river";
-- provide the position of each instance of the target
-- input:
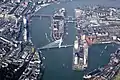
(58, 62)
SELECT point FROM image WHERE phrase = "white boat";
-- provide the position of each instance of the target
(43, 5)
(87, 76)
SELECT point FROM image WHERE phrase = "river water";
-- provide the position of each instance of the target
(59, 61)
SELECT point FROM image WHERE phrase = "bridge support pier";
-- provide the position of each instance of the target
(40, 17)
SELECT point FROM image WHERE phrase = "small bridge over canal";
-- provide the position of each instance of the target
(69, 19)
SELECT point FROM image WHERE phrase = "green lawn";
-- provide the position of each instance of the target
(117, 77)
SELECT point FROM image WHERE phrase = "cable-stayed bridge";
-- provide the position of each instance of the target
(55, 44)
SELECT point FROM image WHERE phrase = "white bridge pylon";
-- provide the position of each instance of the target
(60, 42)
